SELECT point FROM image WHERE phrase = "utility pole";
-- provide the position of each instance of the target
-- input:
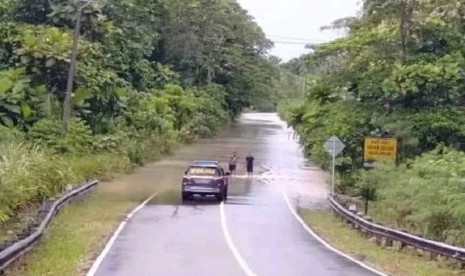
(333, 171)
(305, 79)
(72, 67)
(305, 85)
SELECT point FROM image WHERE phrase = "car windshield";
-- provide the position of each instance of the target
(203, 171)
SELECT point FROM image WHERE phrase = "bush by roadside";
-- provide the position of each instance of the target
(424, 195)
(40, 162)
(30, 174)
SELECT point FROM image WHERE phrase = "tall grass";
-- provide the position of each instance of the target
(29, 173)
(425, 195)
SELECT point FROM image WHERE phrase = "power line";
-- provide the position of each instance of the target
(293, 43)
(289, 42)
(297, 38)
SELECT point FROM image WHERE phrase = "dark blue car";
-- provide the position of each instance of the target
(205, 177)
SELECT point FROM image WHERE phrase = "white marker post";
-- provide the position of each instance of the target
(334, 147)
(334, 167)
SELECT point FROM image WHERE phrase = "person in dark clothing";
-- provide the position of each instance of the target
(233, 163)
(249, 160)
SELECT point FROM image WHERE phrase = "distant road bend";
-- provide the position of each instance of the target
(256, 232)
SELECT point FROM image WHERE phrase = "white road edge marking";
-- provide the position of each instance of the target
(231, 245)
(318, 238)
(111, 241)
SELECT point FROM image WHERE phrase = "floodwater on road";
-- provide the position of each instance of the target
(252, 233)
(278, 159)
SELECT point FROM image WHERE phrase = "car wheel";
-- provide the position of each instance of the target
(220, 197)
(186, 196)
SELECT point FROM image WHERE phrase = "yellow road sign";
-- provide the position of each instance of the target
(380, 149)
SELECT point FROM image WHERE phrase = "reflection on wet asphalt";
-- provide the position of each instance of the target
(169, 237)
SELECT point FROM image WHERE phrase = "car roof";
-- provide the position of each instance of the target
(209, 163)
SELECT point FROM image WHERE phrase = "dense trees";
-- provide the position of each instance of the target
(403, 62)
(134, 45)
(399, 71)
(149, 73)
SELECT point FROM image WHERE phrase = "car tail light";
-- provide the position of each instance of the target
(186, 181)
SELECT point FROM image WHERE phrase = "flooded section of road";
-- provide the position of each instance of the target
(253, 233)
(278, 159)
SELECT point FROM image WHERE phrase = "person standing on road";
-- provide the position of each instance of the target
(233, 163)
(249, 160)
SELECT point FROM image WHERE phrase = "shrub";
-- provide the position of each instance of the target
(28, 173)
(31, 173)
(425, 195)
(113, 143)
(47, 132)
(317, 122)
(102, 166)
(8, 135)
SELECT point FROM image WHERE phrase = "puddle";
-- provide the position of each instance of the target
(277, 158)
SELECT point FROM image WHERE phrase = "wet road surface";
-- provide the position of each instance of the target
(254, 231)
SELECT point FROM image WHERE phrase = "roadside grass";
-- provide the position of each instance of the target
(32, 176)
(389, 260)
(78, 234)
(18, 222)
(80, 230)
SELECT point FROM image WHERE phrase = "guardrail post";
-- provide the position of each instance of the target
(78, 198)
(462, 265)
(369, 219)
(379, 240)
(48, 203)
(402, 245)
(388, 242)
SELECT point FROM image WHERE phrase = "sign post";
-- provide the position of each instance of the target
(334, 146)
(378, 149)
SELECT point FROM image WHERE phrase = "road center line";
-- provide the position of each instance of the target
(327, 245)
(101, 257)
(231, 245)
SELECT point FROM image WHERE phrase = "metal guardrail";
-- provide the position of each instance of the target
(20, 247)
(389, 234)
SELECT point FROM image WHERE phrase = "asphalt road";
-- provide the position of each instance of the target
(253, 233)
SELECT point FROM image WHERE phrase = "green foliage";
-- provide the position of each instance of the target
(48, 133)
(149, 74)
(402, 63)
(8, 135)
(424, 195)
(216, 42)
(19, 101)
(102, 166)
(317, 122)
(29, 173)
(129, 46)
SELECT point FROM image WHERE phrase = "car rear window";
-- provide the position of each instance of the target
(204, 171)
